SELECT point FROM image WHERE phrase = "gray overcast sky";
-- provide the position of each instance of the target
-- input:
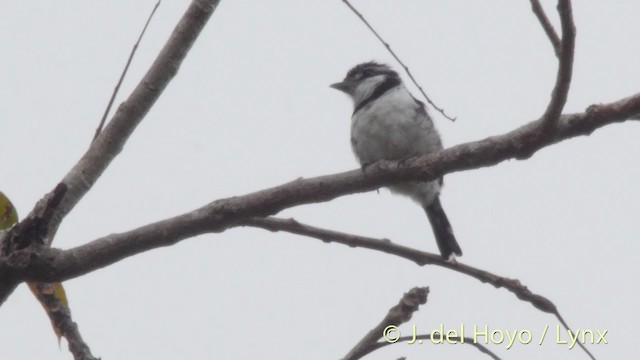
(251, 108)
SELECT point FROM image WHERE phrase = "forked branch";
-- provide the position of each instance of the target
(564, 49)
(546, 26)
(108, 145)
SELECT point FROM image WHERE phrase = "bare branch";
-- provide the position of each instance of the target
(99, 155)
(50, 265)
(396, 316)
(59, 313)
(546, 26)
(108, 145)
(565, 66)
(419, 257)
(405, 67)
(124, 73)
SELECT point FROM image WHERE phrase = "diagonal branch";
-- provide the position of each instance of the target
(546, 26)
(108, 145)
(124, 72)
(48, 294)
(111, 140)
(101, 152)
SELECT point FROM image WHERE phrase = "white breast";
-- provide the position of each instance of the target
(393, 127)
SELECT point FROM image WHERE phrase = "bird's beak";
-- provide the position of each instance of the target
(345, 86)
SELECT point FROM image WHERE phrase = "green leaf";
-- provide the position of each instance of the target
(8, 213)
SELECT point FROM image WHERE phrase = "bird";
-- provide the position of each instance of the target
(388, 123)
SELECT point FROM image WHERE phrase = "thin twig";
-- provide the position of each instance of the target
(124, 72)
(546, 26)
(580, 343)
(397, 315)
(565, 67)
(405, 67)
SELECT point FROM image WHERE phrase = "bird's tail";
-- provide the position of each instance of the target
(442, 230)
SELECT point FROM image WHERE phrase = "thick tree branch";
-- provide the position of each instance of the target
(33, 229)
(50, 265)
(59, 313)
(108, 145)
(100, 154)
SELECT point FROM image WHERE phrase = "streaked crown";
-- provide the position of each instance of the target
(370, 69)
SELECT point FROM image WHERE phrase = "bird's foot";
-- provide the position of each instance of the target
(364, 166)
(402, 161)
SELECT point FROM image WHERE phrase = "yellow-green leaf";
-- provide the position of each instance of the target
(43, 293)
(8, 213)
